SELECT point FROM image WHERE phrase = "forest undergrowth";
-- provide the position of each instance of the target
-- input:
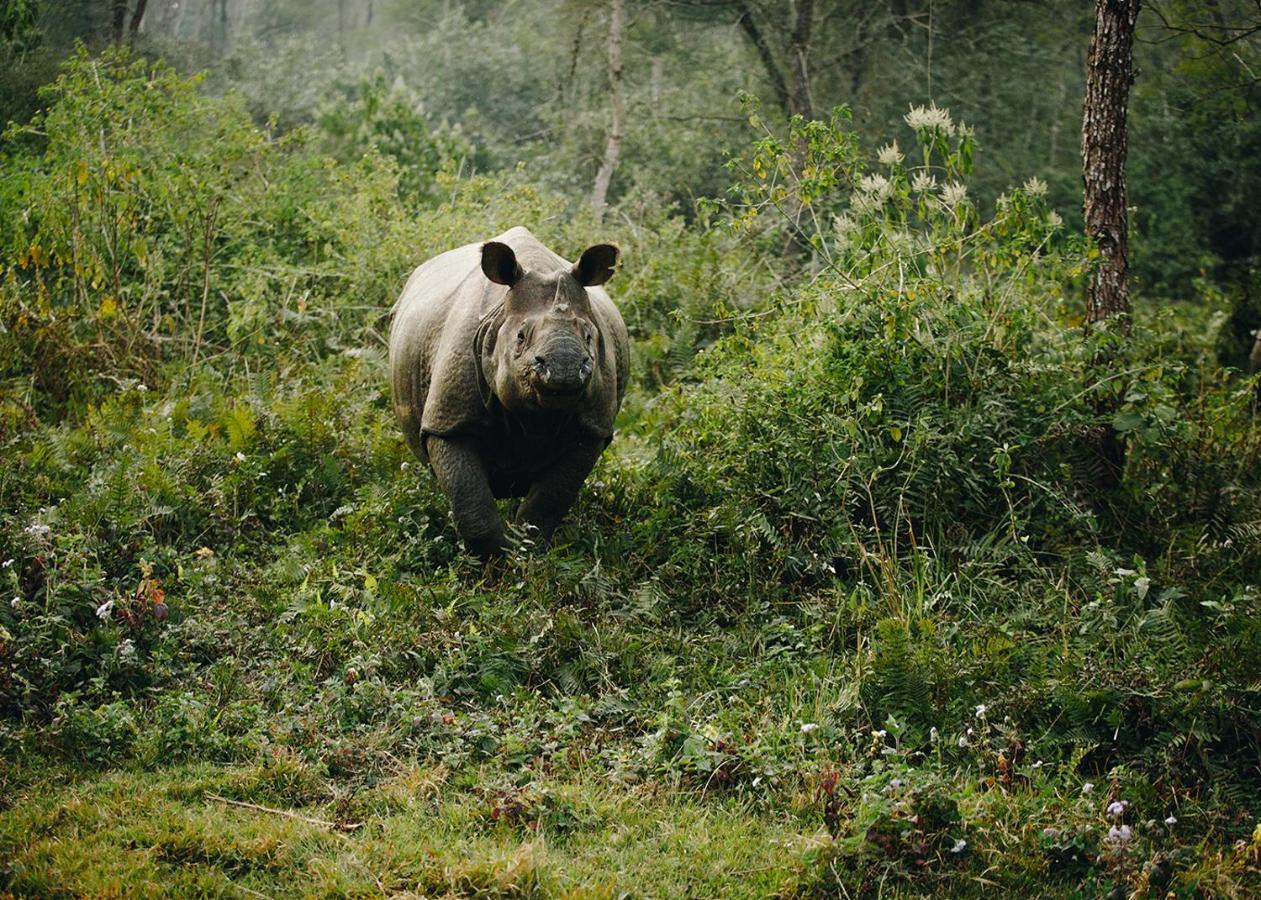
(843, 609)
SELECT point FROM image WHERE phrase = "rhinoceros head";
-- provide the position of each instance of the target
(545, 354)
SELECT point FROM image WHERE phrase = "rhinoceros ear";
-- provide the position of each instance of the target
(499, 263)
(596, 265)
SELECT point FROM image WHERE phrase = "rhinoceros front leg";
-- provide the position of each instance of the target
(462, 476)
(556, 488)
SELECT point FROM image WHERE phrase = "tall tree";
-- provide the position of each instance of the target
(120, 20)
(613, 149)
(1104, 143)
(753, 32)
(1110, 72)
(803, 32)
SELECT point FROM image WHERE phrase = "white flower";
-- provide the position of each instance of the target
(37, 529)
(1054, 219)
(240, 457)
(959, 846)
(954, 194)
(6, 564)
(889, 154)
(1120, 836)
(808, 727)
(963, 740)
(971, 733)
(980, 710)
(876, 185)
(1035, 187)
(1172, 820)
(15, 602)
(879, 734)
(103, 611)
(1116, 808)
(923, 182)
(933, 736)
(1087, 788)
(895, 783)
(930, 117)
(127, 649)
(1036, 765)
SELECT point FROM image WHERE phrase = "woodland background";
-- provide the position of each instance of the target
(852, 605)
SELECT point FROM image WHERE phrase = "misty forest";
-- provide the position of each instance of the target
(825, 463)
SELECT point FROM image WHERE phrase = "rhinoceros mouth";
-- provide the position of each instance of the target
(559, 392)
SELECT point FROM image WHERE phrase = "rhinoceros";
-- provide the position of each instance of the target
(508, 366)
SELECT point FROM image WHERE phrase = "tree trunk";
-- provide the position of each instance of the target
(1103, 143)
(120, 20)
(750, 26)
(1109, 75)
(802, 102)
(613, 149)
(136, 18)
(341, 28)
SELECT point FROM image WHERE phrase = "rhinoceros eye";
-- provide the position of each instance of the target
(520, 335)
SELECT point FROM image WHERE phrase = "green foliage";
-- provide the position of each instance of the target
(839, 579)
(162, 224)
(389, 119)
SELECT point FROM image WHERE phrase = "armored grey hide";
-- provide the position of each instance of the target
(509, 365)
(443, 339)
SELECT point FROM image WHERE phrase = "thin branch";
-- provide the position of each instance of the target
(288, 814)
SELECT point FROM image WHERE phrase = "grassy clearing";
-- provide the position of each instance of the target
(147, 833)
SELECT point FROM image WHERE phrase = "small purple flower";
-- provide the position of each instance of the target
(1116, 808)
(1119, 836)
(1087, 788)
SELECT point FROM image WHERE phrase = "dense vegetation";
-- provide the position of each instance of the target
(844, 608)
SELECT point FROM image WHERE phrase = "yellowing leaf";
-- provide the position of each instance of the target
(109, 308)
